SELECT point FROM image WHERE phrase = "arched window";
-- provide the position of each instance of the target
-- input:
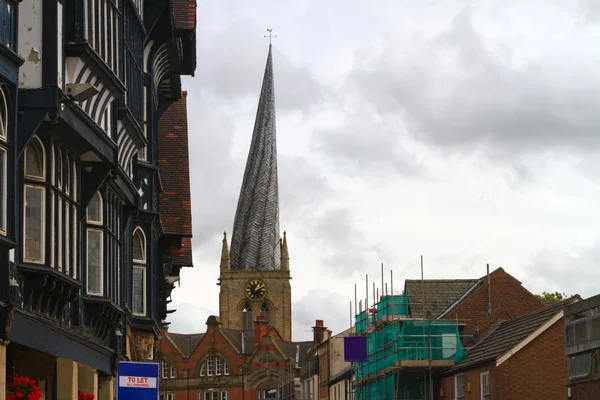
(139, 272)
(214, 365)
(34, 193)
(247, 317)
(95, 246)
(3, 158)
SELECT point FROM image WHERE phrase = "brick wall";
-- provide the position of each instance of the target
(473, 378)
(509, 299)
(538, 371)
(586, 390)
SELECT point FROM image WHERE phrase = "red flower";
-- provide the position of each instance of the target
(18, 395)
(90, 397)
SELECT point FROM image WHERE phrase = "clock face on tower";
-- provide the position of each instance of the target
(256, 289)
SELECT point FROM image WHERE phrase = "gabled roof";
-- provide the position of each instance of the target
(236, 337)
(439, 295)
(508, 334)
(293, 349)
(185, 343)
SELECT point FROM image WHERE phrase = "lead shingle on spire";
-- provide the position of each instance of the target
(255, 239)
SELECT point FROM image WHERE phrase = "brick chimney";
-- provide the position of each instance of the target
(319, 331)
(260, 328)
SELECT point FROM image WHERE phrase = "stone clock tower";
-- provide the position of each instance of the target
(255, 274)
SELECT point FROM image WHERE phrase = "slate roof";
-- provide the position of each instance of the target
(290, 348)
(439, 295)
(508, 334)
(255, 240)
(235, 337)
(184, 14)
(340, 375)
(174, 167)
(185, 342)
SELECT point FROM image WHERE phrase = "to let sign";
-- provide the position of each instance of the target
(137, 381)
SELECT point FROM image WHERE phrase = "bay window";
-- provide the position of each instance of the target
(34, 195)
(139, 272)
(95, 246)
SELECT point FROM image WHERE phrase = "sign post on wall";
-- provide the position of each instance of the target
(137, 381)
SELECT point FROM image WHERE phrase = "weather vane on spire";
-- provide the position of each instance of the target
(270, 35)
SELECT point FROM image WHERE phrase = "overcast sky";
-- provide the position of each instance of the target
(466, 132)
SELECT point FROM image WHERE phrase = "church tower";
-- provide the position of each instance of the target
(254, 274)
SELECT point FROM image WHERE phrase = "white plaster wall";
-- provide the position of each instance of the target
(30, 44)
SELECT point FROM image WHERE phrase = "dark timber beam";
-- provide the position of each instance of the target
(28, 125)
(92, 180)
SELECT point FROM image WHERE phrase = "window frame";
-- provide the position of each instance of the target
(93, 225)
(140, 265)
(456, 386)
(35, 182)
(486, 374)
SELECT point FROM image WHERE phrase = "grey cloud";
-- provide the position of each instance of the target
(364, 145)
(572, 271)
(332, 308)
(302, 186)
(189, 318)
(455, 91)
(343, 247)
(236, 73)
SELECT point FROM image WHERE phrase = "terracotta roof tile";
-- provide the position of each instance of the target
(184, 14)
(174, 165)
(182, 255)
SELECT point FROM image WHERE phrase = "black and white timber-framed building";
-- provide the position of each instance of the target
(86, 266)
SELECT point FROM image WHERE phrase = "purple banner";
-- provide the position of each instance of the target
(355, 348)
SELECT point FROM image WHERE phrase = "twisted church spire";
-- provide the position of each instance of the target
(255, 239)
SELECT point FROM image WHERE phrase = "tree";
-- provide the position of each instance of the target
(547, 297)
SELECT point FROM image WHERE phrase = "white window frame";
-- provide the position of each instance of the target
(172, 370)
(461, 386)
(141, 264)
(4, 189)
(170, 396)
(42, 180)
(88, 291)
(95, 225)
(42, 260)
(3, 114)
(165, 369)
(484, 396)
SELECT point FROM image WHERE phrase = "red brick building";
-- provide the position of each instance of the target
(477, 304)
(522, 358)
(228, 364)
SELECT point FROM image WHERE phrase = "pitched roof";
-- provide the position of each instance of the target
(301, 349)
(236, 336)
(184, 14)
(508, 334)
(439, 295)
(185, 343)
(255, 239)
(174, 167)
